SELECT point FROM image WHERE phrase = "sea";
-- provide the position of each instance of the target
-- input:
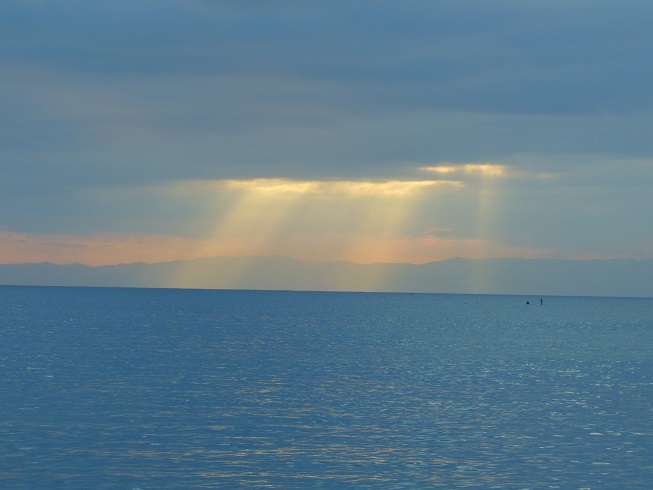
(140, 389)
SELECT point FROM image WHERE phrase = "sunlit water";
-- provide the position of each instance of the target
(154, 389)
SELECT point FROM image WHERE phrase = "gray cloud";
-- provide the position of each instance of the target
(489, 56)
(98, 96)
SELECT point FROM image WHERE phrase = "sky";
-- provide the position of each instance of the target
(366, 131)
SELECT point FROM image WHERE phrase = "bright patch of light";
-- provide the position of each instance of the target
(480, 169)
(346, 188)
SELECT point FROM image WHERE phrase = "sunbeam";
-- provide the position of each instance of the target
(356, 221)
(486, 180)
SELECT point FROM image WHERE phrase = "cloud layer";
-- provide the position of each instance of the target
(110, 110)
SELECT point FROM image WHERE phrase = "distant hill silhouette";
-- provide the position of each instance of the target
(616, 277)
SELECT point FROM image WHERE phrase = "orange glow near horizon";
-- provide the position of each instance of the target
(355, 221)
(108, 249)
(94, 250)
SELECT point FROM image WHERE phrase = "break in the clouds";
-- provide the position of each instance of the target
(217, 127)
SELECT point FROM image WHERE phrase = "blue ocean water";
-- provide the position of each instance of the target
(154, 389)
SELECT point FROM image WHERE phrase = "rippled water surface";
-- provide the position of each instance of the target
(154, 389)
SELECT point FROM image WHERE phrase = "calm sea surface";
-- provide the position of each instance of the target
(154, 389)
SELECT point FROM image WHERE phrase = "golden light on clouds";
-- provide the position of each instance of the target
(361, 221)
(334, 188)
(478, 169)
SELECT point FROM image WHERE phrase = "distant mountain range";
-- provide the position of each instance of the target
(615, 277)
